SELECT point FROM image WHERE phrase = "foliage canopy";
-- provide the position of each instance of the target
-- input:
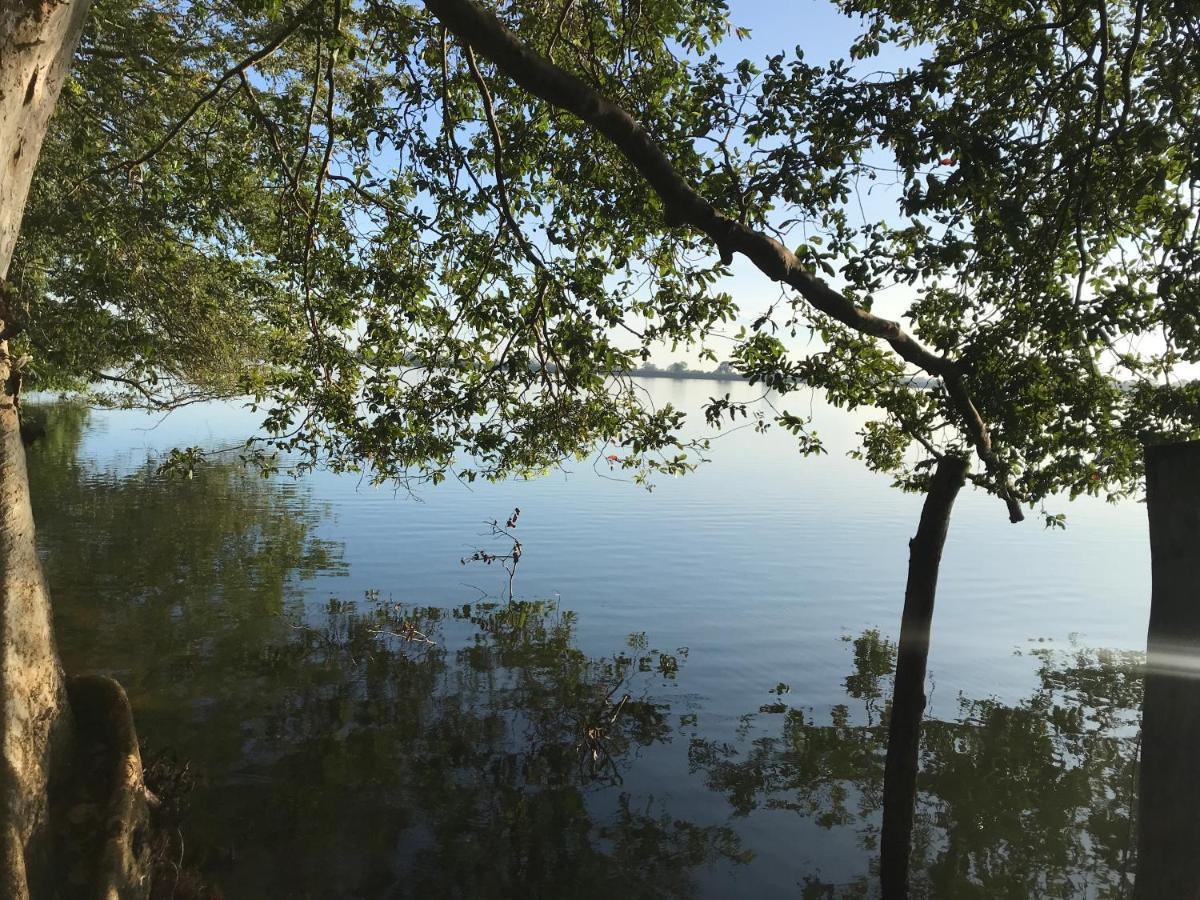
(423, 260)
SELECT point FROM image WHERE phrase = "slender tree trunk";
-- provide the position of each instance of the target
(1168, 813)
(37, 40)
(908, 701)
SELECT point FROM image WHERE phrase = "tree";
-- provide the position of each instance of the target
(380, 222)
(1021, 288)
(36, 45)
(195, 236)
(1028, 273)
(908, 704)
(1170, 712)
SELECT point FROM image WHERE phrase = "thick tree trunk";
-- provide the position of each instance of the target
(37, 41)
(1169, 791)
(34, 719)
(908, 700)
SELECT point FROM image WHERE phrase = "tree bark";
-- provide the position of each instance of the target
(34, 719)
(37, 40)
(908, 700)
(1168, 814)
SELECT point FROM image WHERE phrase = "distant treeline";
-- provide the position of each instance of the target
(723, 372)
(726, 372)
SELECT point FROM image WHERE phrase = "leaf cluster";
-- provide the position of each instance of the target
(416, 268)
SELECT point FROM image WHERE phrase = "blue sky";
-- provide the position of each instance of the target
(814, 25)
(824, 33)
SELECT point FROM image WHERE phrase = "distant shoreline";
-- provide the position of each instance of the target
(688, 374)
(920, 382)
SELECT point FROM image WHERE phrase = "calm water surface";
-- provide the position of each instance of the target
(686, 701)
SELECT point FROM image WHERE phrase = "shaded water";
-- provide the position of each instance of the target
(270, 634)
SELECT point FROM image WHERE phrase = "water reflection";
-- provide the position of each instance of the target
(346, 745)
(364, 748)
(391, 766)
(1031, 799)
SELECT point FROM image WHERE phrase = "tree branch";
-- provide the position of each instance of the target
(274, 42)
(558, 29)
(684, 206)
(489, 112)
(310, 237)
(276, 144)
(158, 402)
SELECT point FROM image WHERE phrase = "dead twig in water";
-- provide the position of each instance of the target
(593, 749)
(508, 560)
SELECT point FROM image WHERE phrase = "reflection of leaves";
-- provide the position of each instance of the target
(192, 570)
(479, 749)
(371, 763)
(815, 889)
(1023, 800)
(874, 660)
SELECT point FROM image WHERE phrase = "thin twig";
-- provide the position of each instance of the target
(498, 159)
(558, 29)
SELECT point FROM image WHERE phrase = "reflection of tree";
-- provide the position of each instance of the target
(458, 772)
(191, 571)
(1024, 800)
(340, 754)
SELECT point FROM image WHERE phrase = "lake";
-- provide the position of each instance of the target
(687, 696)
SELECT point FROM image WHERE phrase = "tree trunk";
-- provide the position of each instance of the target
(37, 40)
(908, 700)
(1168, 813)
(35, 720)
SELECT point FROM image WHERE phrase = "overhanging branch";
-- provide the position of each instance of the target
(274, 41)
(683, 205)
